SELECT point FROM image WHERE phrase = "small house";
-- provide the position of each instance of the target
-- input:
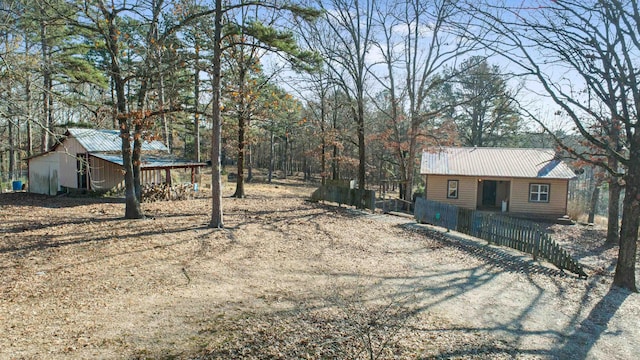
(91, 159)
(521, 182)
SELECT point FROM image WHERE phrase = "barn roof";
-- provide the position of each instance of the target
(495, 162)
(102, 140)
(152, 161)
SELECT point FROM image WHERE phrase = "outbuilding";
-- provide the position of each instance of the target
(91, 159)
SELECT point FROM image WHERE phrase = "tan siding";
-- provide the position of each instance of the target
(467, 190)
(469, 194)
(68, 151)
(71, 146)
(104, 175)
(520, 198)
(68, 170)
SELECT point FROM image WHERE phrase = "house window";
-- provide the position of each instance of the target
(452, 189)
(539, 192)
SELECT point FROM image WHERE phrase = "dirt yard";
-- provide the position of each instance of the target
(287, 279)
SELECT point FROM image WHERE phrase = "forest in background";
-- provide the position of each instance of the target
(56, 76)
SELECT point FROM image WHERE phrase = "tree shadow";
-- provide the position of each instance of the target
(588, 332)
(54, 202)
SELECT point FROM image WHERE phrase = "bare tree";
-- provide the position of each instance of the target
(345, 41)
(584, 54)
(416, 42)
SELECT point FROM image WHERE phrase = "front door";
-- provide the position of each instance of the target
(489, 193)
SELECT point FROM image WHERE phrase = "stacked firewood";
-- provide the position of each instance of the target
(163, 192)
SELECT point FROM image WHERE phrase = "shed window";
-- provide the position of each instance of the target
(539, 192)
(452, 189)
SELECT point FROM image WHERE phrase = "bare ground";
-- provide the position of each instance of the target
(286, 279)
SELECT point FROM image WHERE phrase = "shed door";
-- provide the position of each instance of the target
(82, 166)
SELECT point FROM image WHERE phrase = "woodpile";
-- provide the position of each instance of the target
(164, 192)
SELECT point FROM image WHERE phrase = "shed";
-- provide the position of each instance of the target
(521, 182)
(91, 159)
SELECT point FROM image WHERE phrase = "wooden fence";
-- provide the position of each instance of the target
(519, 234)
(362, 199)
(394, 204)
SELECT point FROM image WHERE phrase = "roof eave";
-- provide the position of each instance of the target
(504, 176)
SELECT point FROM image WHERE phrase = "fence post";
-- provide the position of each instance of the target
(536, 247)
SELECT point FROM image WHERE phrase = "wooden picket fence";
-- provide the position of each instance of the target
(519, 234)
(363, 199)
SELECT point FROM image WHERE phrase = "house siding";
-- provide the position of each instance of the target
(556, 207)
(467, 190)
(469, 194)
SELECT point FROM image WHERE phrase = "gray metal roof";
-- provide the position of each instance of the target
(495, 162)
(152, 161)
(101, 140)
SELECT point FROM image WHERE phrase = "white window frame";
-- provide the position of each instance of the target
(455, 189)
(536, 192)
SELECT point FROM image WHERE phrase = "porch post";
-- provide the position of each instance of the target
(86, 173)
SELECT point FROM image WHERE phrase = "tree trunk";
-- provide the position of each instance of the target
(46, 86)
(242, 123)
(290, 157)
(137, 140)
(625, 275)
(284, 156)
(305, 167)
(2, 168)
(613, 221)
(12, 149)
(114, 101)
(132, 203)
(411, 156)
(163, 116)
(196, 96)
(137, 161)
(335, 163)
(216, 131)
(361, 147)
(271, 157)
(323, 150)
(239, 193)
(29, 118)
(593, 204)
(250, 165)
(29, 138)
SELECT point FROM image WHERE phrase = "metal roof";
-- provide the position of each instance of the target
(495, 162)
(152, 161)
(101, 140)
